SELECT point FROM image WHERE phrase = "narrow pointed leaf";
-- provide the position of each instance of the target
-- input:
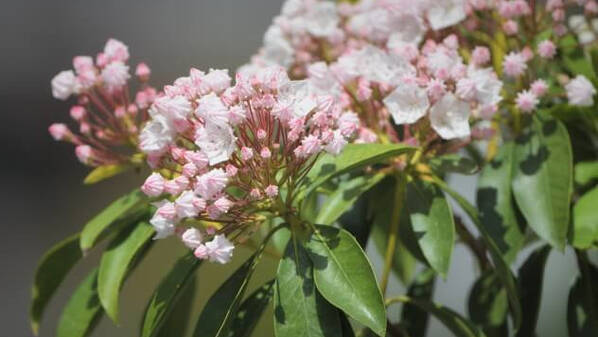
(488, 305)
(168, 293)
(83, 310)
(414, 319)
(123, 210)
(585, 221)
(495, 202)
(500, 265)
(543, 178)
(343, 198)
(344, 276)
(177, 322)
(51, 271)
(456, 323)
(251, 310)
(531, 278)
(104, 172)
(116, 262)
(454, 163)
(299, 310)
(352, 157)
(431, 219)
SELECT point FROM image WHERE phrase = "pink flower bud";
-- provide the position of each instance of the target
(189, 170)
(167, 211)
(59, 131)
(271, 191)
(231, 170)
(143, 72)
(246, 153)
(78, 112)
(84, 153)
(255, 193)
(192, 238)
(265, 153)
(539, 88)
(153, 185)
(526, 101)
(261, 134)
(480, 56)
(510, 27)
(546, 49)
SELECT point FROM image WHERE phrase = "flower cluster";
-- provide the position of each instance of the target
(222, 153)
(108, 118)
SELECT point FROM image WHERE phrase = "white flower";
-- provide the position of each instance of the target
(116, 50)
(450, 117)
(212, 110)
(217, 79)
(487, 85)
(442, 59)
(211, 183)
(379, 66)
(336, 145)
(216, 141)
(115, 75)
(322, 19)
(192, 238)
(277, 50)
(220, 249)
(295, 99)
(445, 13)
(407, 103)
(176, 108)
(164, 227)
(157, 134)
(185, 205)
(580, 91)
(64, 84)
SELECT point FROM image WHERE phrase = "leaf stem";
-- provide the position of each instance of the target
(393, 232)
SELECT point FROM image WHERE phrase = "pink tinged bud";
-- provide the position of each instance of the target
(271, 191)
(217, 79)
(527, 53)
(311, 145)
(436, 89)
(211, 183)
(167, 211)
(261, 134)
(143, 71)
(558, 15)
(115, 75)
(451, 42)
(189, 170)
(265, 153)
(84, 153)
(182, 181)
(120, 112)
(539, 88)
(153, 185)
(236, 115)
(480, 56)
(546, 49)
(231, 170)
(102, 60)
(185, 205)
(198, 158)
(59, 131)
(177, 153)
(514, 64)
(83, 64)
(526, 101)
(115, 50)
(78, 112)
(220, 249)
(85, 128)
(255, 193)
(132, 110)
(510, 27)
(192, 238)
(560, 30)
(246, 153)
(172, 187)
(201, 252)
(364, 91)
(64, 85)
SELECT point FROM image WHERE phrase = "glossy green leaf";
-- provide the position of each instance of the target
(543, 178)
(116, 262)
(453, 163)
(502, 268)
(352, 157)
(168, 293)
(299, 310)
(51, 271)
(585, 172)
(104, 172)
(585, 221)
(83, 310)
(344, 276)
(414, 319)
(251, 310)
(456, 323)
(488, 305)
(582, 306)
(218, 314)
(177, 322)
(381, 204)
(124, 210)
(531, 279)
(495, 202)
(431, 219)
(343, 198)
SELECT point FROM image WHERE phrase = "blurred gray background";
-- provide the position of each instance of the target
(43, 199)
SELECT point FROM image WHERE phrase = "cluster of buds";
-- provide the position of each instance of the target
(108, 117)
(222, 154)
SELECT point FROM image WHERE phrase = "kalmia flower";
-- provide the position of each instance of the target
(108, 115)
(223, 153)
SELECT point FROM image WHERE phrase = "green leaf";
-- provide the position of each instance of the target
(116, 262)
(585, 221)
(381, 204)
(431, 219)
(453, 163)
(51, 271)
(488, 305)
(218, 314)
(177, 322)
(495, 202)
(414, 319)
(344, 276)
(83, 310)
(104, 172)
(124, 210)
(343, 198)
(531, 277)
(456, 323)
(168, 293)
(502, 268)
(585, 172)
(582, 306)
(543, 178)
(354, 156)
(299, 310)
(251, 310)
